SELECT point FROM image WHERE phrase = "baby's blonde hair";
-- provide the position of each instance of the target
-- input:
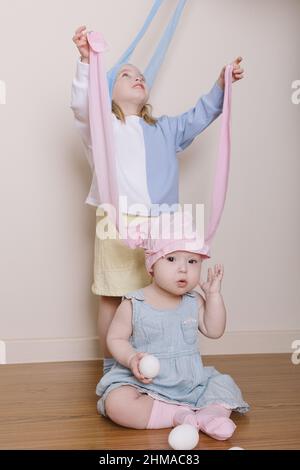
(145, 113)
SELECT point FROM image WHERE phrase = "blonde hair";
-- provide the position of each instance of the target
(145, 113)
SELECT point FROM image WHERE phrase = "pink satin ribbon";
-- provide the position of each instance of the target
(223, 163)
(101, 128)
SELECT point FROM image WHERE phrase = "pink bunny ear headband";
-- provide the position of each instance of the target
(158, 241)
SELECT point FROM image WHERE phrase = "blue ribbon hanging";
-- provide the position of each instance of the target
(159, 54)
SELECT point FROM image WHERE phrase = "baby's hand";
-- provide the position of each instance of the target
(214, 278)
(134, 367)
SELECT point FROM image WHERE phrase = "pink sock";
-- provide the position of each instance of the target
(162, 414)
(214, 421)
(185, 416)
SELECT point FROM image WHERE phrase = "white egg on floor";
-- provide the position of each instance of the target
(236, 448)
(183, 437)
(149, 366)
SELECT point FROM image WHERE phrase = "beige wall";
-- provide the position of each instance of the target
(47, 310)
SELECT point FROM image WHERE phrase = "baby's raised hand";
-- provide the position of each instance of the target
(214, 278)
(134, 367)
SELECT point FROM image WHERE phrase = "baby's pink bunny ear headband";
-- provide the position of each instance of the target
(163, 235)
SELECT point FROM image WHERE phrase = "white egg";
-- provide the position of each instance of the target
(183, 437)
(236, 448)
(149, 366)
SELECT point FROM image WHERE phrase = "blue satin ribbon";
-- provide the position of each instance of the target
(161, 49)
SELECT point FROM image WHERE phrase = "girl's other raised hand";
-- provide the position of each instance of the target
(81, 42)
(237, 72)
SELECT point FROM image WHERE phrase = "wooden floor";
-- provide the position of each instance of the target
(53, 406)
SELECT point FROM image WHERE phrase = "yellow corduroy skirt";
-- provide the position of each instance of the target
(117, 268)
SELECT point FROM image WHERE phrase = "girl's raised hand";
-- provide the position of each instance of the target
(237, 72)
(81, 42)
(214, 278)
(134, 367)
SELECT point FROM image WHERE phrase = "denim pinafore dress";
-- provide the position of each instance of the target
(171, 335)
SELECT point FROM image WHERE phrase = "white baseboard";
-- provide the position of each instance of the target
(83, 349)
(51, 350)
(251, 342)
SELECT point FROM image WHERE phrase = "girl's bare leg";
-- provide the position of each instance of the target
(107, 309)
